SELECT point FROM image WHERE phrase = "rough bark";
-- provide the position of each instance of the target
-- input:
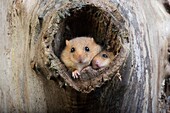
(33, 79)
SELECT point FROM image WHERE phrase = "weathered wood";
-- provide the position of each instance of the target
(28, 85)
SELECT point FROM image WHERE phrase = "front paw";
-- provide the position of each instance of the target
(75, 74)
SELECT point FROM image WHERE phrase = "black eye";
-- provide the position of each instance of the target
(72, 49)
(87, 49)
(104, 55)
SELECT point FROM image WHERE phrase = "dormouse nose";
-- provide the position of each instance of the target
(97, 62)
(80, 58)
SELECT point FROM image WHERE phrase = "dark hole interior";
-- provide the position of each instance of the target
(167, 6)
(90, 21)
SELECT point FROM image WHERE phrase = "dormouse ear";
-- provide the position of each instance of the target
(67, 42)
(92, 39)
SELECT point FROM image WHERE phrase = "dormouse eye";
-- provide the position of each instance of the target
(104, 56)
(87, 49)
(72, 49)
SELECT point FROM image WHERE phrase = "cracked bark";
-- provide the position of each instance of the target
(34, 80)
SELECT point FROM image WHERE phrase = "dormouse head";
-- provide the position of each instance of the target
(103, 59)
(82, 49)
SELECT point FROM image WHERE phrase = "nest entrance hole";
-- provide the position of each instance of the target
(87, 20)
(106, 26)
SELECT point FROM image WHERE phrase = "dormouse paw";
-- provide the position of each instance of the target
(75, 74)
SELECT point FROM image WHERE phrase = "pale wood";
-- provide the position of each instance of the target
(23, 90)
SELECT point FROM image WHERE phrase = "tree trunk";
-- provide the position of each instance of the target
(33, 78)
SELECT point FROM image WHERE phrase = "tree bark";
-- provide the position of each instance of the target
(33, 79)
